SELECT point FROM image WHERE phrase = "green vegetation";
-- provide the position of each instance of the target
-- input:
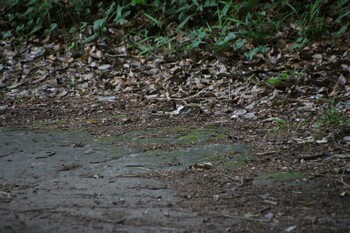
(331, 118)
(287, 77)
(277, 80)
(279, 177)
(279, 124)
(257, 31)
(247, 27)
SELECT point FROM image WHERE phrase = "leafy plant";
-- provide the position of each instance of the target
(280, 78)
(165, 41)
(99, 25)
(238, 44)
(279, 124)
(332, 117)
(260, 49)
(225, 41)
(280, 128)
(313, 19)
(139, 1)
(121, 15)
(196, 38)
(224, 25)
(154, 20)
(300, 43)
(35, 16)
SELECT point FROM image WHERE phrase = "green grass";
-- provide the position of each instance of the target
(279, 79)
(279, 124)
(170, 26)
(331, 118)
(279, 177)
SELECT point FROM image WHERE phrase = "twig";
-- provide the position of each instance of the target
(339, 156)
(317, 156)
(234, 178)
(5, 194)
(342, 180)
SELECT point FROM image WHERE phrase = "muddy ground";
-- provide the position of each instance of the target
(80, 168)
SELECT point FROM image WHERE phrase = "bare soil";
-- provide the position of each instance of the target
(288, 187)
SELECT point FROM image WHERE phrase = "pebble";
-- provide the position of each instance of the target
(346, 139)
(104, 67)
(107, 98)
(250, 116)
(238, 113)
(24, 93)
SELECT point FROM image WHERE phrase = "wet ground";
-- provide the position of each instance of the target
(71, 181)
(166, 176)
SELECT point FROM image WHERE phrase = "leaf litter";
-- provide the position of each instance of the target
(287, 104)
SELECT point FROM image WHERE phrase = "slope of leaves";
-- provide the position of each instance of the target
(296, 92)
(198, 60)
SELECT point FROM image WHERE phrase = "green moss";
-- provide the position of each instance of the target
(181, 136)
(279, 177)
(195, 135)
(230, 158)
(181, 158)
(46, 123)
(191, 137)
(277, 80)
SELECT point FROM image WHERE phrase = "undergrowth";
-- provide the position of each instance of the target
(175, 25)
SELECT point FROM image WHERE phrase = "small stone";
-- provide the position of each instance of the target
(107, 98)
(240, 112)
(250, 106)
(322, 141)
(346, 139)
(158, 61)
(269, 215)
(250, 116)
(317, 56)
(290, 228)
(24, 93)
(93, 65)
(122, 50)
(104, 67)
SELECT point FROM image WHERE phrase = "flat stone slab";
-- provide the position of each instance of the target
(74, 182)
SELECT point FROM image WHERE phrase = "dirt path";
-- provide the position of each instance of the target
(164, 175)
